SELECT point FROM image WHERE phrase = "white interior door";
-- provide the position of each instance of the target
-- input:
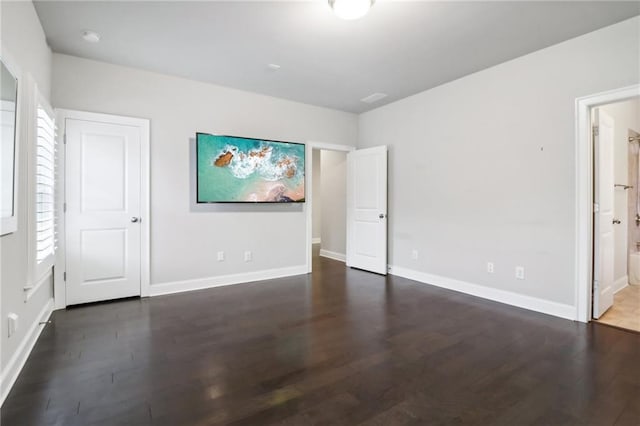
(103, 186)
(603, 213)
(367, 209)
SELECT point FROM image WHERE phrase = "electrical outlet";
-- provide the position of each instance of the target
(12, 324)
(414, 254)
(220, 256)
(520, 272)
(247, 256)
(490, 267)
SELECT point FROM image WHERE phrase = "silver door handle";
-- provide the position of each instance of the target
(381, 215)
(135, 219)
(616, 221)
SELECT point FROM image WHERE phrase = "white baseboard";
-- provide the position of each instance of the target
(17, 361)
(333, 255)
(209, 282)
(620, 284)
(316, 240)
(502, 296)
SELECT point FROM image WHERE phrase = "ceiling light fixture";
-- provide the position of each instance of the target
(91, 36)
(351, 9)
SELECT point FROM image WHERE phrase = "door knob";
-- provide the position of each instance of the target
(381, 215)
(135, 219)
(616, 221)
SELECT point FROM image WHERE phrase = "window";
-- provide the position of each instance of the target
(45, 177)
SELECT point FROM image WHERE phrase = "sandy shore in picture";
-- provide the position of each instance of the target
(275, 191)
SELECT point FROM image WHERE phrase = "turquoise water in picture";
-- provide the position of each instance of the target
(233, 169)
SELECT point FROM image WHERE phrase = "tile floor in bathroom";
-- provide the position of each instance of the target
(625, 312)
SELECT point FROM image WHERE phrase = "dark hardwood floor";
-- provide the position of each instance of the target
(339, 347)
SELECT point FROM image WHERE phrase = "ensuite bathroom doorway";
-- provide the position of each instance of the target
(616, 220)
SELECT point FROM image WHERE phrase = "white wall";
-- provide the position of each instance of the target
(482, 169)
(316, 217)
(334, 199)
(23, 38)
(626, 116)
(184, 243)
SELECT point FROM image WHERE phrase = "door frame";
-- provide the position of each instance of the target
(59, 287)
(309, 147)
(584, 194)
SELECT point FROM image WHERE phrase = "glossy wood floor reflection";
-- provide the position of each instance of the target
(339, 347)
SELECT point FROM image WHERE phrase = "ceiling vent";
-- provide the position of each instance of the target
(373, 98)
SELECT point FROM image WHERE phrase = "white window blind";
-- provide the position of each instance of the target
(45, 186)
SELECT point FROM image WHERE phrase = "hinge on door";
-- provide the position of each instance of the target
(596, 207)
(64, 207)
(64, 276)
(64, 138)
(596, 130)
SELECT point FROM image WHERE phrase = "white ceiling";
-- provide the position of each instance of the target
(399, 48)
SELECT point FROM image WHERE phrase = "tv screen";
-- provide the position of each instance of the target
(242, 170)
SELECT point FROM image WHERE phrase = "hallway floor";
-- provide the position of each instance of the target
(625, 312)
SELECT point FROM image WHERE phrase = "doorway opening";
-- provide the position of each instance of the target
(365, 206)
(616, 217)
(329, 210)
(584, 187)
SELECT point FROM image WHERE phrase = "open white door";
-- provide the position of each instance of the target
(603, 235)
(367, 209)
(103, 187)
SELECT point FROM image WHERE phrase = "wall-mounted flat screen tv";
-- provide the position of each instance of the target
(232, 169)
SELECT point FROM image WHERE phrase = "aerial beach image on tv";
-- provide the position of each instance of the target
(234, 169)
